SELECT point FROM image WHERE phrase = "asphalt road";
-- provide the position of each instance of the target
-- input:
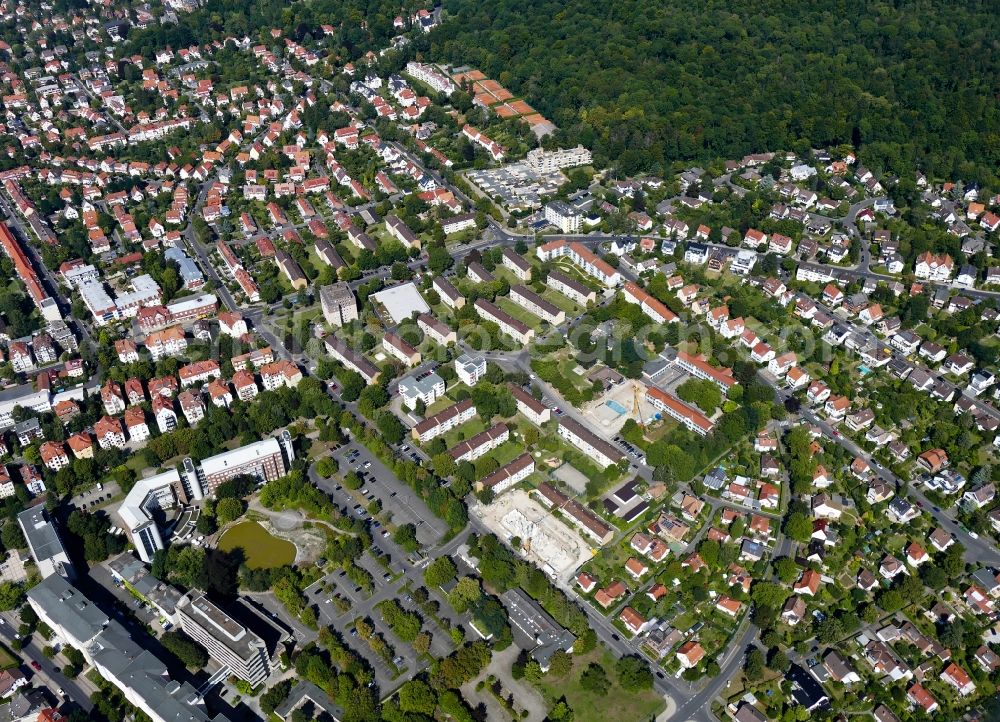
(692, 701)
(977, 551)
(77, 690)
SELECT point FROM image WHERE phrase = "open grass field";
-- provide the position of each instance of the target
(561, 301)
(592, 707)
(440, 404)
(466, 431)
(521, 314)
(263, 551)
(8, 660)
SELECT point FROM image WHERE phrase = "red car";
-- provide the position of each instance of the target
(36, 666)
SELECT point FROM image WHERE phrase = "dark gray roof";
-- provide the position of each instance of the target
(307, 691)
(533, 628)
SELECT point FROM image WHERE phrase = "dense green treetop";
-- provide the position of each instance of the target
(647, 84)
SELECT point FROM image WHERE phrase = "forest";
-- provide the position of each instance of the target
(651, 87)
(219, 19)
(647, 86)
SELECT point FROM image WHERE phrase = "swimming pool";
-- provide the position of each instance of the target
(615, 406)
(864, 370)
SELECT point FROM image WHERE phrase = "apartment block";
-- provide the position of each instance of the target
(508, 475)
(444, 421)
(589, 443)
(439, 332)
(528, 406)
(470, 368)
(676, 409)
(573, 290)
(532, 302)
(481, 443)
(509, 325)
(400, 349)
(226, 640)
(338, 304)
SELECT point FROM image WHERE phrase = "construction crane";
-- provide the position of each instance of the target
(533, 527)
(526, 543)
(526, 546)
(636, 413)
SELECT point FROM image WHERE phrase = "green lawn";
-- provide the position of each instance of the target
(283, 283)
(464, 432)
(508, 275)
(684, 621)
(440, 404)
(566, 366)
(567, 268)
(506, 453)
(7, 659)
(660, 429)
(713, 637)
(616, 705)
(536, 478)
(561, 301)
(314, 258)
(609, 563)
(521, 314)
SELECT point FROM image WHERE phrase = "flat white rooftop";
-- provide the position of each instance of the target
(401, 301)
(241, 456)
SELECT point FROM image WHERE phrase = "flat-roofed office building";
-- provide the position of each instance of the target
(226, 640)
(45, 544)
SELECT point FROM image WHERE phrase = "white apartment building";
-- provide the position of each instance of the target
(548, 161)
(437, 331)
(429, 76)
(516, 264)
(338, 304)
(528, 406)
(507, 476)
(509, 325)
(563, 216)
(400, 349)
(470, 368)
(426, 387)
(226, 640)
(444, 421)
(473, 448)
(573, 290)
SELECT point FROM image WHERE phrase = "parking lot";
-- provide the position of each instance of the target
(381, 483)
(630, 450)
(96, 497)
(395, 572)
(325, 594)
(355, 602)
(516, 185)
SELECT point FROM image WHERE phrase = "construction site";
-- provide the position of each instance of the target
(544, 539)
(609, 412)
